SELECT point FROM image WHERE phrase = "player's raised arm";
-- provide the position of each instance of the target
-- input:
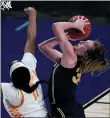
(47, 48)
(31, 32)
(69, 56)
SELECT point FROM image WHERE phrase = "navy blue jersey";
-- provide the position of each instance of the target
(62, 84)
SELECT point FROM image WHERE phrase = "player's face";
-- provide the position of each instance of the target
(89, 44)
(83, 46)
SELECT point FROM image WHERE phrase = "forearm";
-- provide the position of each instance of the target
(60, 27)
(31, 32)
(51, 43)
(47, 48)
(64, 25)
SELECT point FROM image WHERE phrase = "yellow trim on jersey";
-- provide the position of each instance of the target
(77, 78)
(53, 84)
(78, 69)
(61, 112)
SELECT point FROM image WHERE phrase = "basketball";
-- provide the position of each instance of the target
(77, 34)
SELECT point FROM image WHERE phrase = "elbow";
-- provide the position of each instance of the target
(41, 47)
(56, 26)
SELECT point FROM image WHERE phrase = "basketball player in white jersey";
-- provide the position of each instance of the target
(23, 96)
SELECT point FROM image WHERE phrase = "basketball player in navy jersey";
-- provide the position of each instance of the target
(70, 64)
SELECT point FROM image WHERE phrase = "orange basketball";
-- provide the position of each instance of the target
(75, 33)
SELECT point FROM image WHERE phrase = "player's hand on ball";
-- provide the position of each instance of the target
(30, 10)
(81, 23)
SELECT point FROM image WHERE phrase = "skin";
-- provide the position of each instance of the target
(83, 46)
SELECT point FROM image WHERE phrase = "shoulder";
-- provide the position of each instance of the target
(7, 86)
(9, 90)
(11, 94)
(29, 60)
(68, 63)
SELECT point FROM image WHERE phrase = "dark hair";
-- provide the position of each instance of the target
(94, 59)
(21, 78)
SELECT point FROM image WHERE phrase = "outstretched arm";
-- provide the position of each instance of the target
(31, 32)
(30, 47)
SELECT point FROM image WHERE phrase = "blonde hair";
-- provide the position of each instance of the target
(94, 59)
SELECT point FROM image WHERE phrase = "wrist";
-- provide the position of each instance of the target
(74, 25)
(33, 13)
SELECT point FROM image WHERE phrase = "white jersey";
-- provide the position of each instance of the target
(21, 104)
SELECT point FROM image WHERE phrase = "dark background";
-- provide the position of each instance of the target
(97, 11)
(13, 41)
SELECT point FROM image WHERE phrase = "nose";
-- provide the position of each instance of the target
(82, 42)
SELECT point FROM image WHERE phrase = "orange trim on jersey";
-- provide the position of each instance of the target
(22, 101)
(14, 109)
(34, 72)
(35, 93)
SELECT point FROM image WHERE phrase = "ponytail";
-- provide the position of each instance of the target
(29, 89)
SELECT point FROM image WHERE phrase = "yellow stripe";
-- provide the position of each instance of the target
(61, 112)
(53, 84)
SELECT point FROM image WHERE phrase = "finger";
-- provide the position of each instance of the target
(87, 23)
(73, 19)
(77, 17)
(82, 17)
(82, 31)
(86, 20)
(25, 9)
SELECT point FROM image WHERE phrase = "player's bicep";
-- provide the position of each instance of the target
(67, 50)
(52, 54)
